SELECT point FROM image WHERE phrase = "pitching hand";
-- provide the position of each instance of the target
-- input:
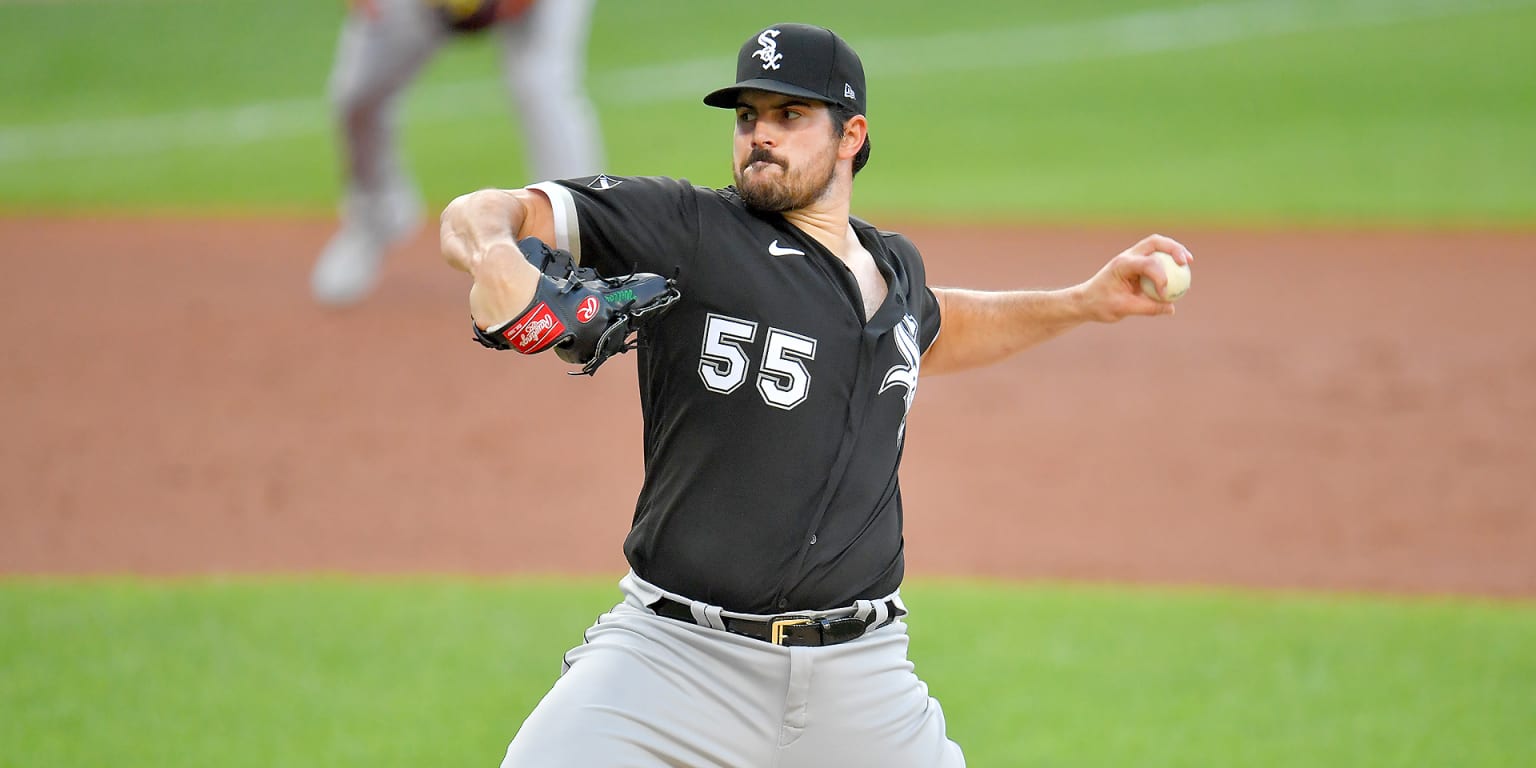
(1115, 292)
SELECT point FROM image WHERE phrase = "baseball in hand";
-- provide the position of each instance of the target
(1178, 279)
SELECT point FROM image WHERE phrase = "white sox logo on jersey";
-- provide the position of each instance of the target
(905, 375)
(769, 52)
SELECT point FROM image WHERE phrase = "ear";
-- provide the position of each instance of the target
(854, 134)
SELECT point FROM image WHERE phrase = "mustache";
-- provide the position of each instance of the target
(764, 156)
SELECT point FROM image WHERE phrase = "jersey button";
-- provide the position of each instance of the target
(783, 603)
(813, 538)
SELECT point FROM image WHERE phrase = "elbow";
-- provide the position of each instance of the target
(455, 218)
(462, 231)
(475, 205)
(471, 221)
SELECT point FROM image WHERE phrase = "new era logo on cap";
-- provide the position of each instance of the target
(797, 60)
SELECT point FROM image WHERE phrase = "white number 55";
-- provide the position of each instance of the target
(782, 381)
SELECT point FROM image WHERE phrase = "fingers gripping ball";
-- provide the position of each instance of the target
(584, 317)
(1178, 279)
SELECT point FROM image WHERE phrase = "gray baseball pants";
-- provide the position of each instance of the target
(644, 690)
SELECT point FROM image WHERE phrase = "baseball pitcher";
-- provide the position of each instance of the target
(780, 346)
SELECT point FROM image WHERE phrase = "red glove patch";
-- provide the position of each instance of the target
(536, 330)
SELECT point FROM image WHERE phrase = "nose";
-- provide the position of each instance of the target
(762, 136)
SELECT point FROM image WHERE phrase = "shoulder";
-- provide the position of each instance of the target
(605, 195)
(605, 182)
(894, 243)
(884, 235)
(606, 185)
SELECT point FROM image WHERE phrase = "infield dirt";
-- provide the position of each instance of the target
(1327, 410)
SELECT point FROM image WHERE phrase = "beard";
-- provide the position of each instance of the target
(785, 191)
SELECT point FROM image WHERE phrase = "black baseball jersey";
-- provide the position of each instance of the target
(773, 414)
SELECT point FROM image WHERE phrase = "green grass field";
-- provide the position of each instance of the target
(334, 672)
(1413, 113)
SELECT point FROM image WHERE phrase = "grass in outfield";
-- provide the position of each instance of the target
(1184, 111)
(338, 672)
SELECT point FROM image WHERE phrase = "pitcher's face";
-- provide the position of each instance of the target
(785, 151)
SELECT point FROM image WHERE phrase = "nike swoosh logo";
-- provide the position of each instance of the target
(775, 250)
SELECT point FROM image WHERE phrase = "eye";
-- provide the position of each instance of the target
(745, 116)
(792, 114)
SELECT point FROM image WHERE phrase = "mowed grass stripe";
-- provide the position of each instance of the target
(970, 51)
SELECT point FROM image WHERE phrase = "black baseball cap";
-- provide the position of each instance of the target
(797, 60)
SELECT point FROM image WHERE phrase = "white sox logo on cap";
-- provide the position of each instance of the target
(797, 60)
(769, 52)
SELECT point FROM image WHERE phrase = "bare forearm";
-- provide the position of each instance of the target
(479, 235)
(984, 327)
(475, 222)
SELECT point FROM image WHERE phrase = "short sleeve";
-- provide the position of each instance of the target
(928, 329)
(623, 224)
(920, 298)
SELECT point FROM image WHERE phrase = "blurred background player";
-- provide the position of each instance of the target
(382, 47)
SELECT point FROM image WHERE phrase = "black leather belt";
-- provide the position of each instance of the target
(789, 629)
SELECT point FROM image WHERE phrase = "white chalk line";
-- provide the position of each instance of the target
(1185, 28)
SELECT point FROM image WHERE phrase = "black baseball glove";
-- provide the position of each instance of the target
(584, 317)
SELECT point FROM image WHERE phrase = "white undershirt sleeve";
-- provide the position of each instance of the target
(567, 226)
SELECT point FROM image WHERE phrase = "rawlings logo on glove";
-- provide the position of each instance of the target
(587, 310)
(535, 331)
(586, 318)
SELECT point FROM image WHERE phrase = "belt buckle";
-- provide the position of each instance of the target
(780, 624)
